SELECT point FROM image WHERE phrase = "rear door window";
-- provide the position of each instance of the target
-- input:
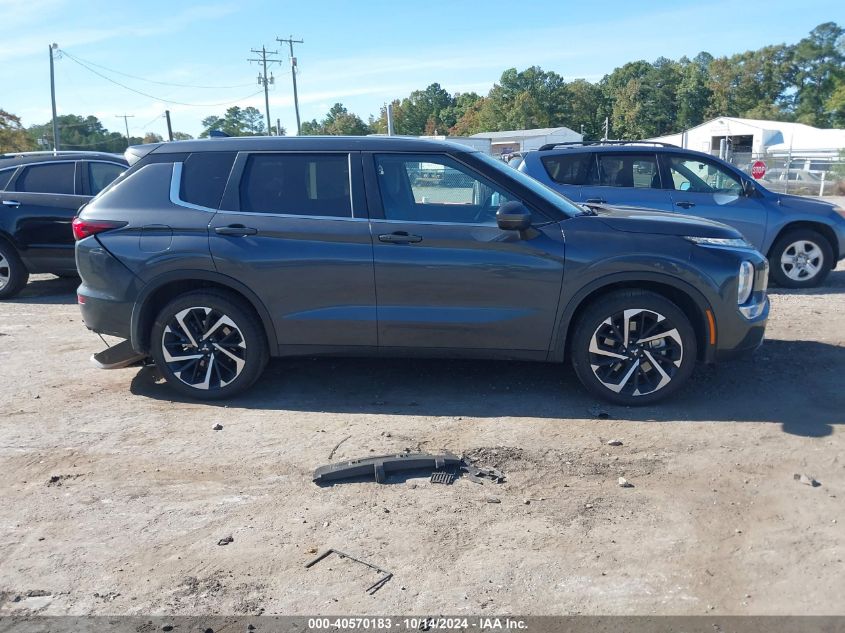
(297, 184)
(100, 175)
(53, 178)
(204, 177)
(628, 170)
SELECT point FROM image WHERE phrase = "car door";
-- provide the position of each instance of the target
(45, 198)
(293, 227)
(626, 178)
(703, 187)
(446, 276)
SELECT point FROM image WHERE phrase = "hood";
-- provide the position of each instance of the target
(633, 220)
(805, 204)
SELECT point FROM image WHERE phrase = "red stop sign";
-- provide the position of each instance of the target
(758, 169)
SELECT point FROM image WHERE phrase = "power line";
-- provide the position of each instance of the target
(153, 81)
(146, 94)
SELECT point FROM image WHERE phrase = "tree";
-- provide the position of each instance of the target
(236, 122)
(338, 122)
(13, 137)
(152, 137)
(181, 136)
(82, 133)
(819, 64)
(693, 93)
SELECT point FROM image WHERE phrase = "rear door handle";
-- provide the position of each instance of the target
(12, 203)
(595, 201)
(400, 237)
(685, 205)
(235, 230)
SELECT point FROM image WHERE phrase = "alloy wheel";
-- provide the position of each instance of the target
(802, 260)
(204, 348)
(5, 271)
(636, 352)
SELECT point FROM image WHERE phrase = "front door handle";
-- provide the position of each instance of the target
(595, 201)
(685, 205)
(400, 237)
(12, 203)
(235, 230)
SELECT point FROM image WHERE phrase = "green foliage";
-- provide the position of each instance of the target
(181, 136)
(338, 122)
(82, 133)
(13, 138)
(236, 122)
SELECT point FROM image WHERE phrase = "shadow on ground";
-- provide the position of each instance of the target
(794, 383)
(48, 290)
(833, 285)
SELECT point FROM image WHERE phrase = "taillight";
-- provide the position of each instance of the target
(86, 228)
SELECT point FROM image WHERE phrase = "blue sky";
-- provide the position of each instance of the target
(359, 53)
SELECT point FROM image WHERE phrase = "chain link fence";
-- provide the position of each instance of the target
(811, 174)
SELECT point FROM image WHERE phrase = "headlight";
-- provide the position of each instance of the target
(745, 284)
(725, 242)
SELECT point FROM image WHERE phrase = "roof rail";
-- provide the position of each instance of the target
(572, 143)
(51, 152)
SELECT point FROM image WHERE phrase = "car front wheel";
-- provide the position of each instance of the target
(633, 348)
(800, 259)
(208, 345)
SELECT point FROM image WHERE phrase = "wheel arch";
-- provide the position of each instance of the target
(169, 285)
(690, 300)
(821, 228)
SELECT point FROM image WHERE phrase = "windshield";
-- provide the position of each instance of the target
(551, 196)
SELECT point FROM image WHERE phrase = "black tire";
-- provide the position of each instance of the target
(13, 272)
(210, 371)
(791, 275)
(644, 373)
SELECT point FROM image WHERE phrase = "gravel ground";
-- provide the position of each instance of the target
(116, 493)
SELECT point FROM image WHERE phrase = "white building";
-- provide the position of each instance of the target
(512, 141)
(759, 138)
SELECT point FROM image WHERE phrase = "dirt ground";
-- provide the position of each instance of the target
(115, 493)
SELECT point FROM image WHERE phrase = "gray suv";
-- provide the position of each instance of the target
(211, 256)
(802, 237)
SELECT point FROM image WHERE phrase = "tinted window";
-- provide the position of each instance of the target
(55, 178)
(568, 169)
(627, 170)
(5, 177)
(100, 175)
(297, 184)
(204, 176)
(435, 188)
(702, 176)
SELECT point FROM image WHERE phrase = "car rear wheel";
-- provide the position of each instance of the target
(13, 273)
(800, 259)
(208, 345)
(633, 348)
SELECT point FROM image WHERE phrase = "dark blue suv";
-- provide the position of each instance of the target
(211, 256)
(802, 237)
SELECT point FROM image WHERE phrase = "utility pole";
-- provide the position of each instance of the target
(290, 41)
(52, 48)
(169, 127)
(126, 118)
(264, 81)
(278, 127)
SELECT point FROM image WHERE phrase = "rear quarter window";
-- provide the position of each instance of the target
(568, 169)
(204, 177)
(5, 177)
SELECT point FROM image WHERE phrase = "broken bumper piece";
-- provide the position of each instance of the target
(117, 356)
(380, 467)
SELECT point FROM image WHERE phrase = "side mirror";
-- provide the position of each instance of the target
(513, 216)
(749, 189)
